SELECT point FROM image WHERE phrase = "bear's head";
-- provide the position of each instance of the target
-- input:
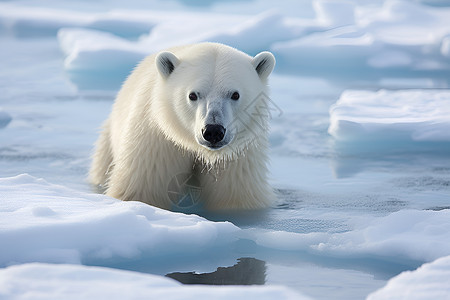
(213, 99)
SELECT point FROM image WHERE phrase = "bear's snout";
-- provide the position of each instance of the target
(213, 133)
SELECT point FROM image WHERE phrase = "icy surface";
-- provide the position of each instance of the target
(36, 216)
(396, 38)
(387, 39)
(430, 281)
(386, 116)
(84, 56)
(404, 235)
(48, 223)
(45, 281)
(355, 208)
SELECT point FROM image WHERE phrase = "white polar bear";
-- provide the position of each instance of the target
(199, 109)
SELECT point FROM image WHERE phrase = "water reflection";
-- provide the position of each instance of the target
(248, 271)
(351, 159)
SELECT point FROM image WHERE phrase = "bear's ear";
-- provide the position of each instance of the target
(264, 63)
(166, 62)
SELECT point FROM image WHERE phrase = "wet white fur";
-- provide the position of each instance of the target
(151, 135)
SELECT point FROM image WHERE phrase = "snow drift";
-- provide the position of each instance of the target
(48, 133)
(430, 281)
(41, 222)
(392, 118)
(343, 40)
(418, 235)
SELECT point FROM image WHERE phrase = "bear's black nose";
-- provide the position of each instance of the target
(213, 133)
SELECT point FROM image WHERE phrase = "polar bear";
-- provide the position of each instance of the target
(199, 109)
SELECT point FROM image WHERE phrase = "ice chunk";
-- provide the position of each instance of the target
(37, 21)
(45, 281)
(396, 38)
(94, 57)
(339, 51)
(42, 222)
(92, 50)
(404, 116)
(258, 33)
(97, 59)
(430, 281)
(123, 23)
(404, 235)
(346, 38)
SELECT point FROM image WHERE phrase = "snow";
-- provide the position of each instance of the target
(400, 37)
(405, 235)
(430, 281)
(45, 281)
(82, 55)
(90, 60)
(38, 21)
(37, 217)
(348, 40)
(384, 116)
(352, 77)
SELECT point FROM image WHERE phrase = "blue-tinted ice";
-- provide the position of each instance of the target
(354, 209)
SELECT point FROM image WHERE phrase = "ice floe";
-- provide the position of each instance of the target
(430, 281)
(399, 39)
(344, 39)
(42, 222)
(391, 118)
(418, 235)
(394, 43)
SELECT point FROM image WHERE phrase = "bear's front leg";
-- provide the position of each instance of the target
(144, 168)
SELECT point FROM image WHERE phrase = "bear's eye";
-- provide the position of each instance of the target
(235, 96)
(193, 96)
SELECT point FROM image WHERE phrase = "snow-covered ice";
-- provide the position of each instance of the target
(37, 215)
(347, 40)
(398, 37)
(391, 39)
(430, 281)
(419, 235)
(392, 116)
(360, 208)
(83, 56)
(41, 222)
(35, 21)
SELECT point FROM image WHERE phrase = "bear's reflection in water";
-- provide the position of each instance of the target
(248, 271)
